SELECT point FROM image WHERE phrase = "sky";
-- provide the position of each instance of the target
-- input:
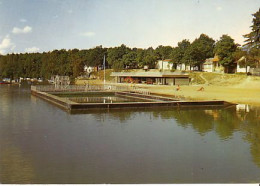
(45, 25)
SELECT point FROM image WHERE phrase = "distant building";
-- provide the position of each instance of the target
(60, 80)
(182, 66)
(241, 65)
(185, 67)
(152, 77)
(212, 65)
(89, 69)
(164, 64)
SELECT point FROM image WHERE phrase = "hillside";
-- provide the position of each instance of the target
(230, 80)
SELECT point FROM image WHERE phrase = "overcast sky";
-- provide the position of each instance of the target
(45, 25)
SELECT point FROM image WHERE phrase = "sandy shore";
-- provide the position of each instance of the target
(234, 95)
(243, 94)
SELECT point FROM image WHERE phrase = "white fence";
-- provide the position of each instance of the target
(87, 88)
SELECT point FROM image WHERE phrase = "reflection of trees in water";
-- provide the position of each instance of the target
(223, 121)
(195, 118)
(227, 122)
(251, 128)
(121, 115)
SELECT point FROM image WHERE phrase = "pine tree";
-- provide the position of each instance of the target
(253, 38)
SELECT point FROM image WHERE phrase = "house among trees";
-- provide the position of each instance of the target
(167, 64)
(186, 67)
(212, 65)
(242, 66)
(164, 64)
(89, 69)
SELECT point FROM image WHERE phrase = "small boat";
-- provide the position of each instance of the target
(4, 82)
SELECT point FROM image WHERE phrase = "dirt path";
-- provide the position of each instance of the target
(206, 81)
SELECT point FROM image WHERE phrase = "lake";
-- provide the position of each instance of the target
(40, 143)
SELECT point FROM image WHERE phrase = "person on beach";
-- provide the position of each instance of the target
(178, 88)
(201, 89)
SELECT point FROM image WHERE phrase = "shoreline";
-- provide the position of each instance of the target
(233, 94)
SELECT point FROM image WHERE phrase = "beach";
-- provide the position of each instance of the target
(245, 92)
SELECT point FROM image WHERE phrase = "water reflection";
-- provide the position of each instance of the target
(224, 121)
(39, 143)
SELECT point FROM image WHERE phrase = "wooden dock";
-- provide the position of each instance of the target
(150, 101)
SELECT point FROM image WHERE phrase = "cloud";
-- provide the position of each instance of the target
(219, 8)
(88, 34)
(25, 30)
(70, 11)
(6, 44)
(32, 49)
(23, 20)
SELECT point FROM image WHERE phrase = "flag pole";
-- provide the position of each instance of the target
(104, 64)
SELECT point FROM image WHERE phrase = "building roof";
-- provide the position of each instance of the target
(211, 60)
(149, 74)
(216, 58)
(166, 60)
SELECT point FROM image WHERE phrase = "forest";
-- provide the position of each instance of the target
(71, 62)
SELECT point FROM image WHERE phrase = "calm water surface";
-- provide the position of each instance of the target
(39, 143)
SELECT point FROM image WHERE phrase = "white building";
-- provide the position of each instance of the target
(164, 64)
(212, 65)
(241, 65)
(88, 69)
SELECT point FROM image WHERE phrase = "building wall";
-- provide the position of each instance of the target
(164, 65)
(182, 81)
(170, 81)
(181, 67)
(159, 80)
(242, 69)
(207, 67)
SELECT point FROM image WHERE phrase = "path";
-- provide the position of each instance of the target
(206, 81)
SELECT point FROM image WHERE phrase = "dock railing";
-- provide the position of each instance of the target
(89, 88)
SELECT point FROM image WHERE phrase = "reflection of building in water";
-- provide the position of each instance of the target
(242, 110)
(242, 107)
(213, 113)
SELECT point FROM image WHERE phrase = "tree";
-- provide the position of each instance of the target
(76, 62)
(253, 38)
(163, 52)
(115, 55)
(200, 49)
(129, 60)
(150, 58)
(178, 53)
(94, 56)
(225, 49)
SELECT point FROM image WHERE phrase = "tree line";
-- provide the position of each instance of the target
(72, 62)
